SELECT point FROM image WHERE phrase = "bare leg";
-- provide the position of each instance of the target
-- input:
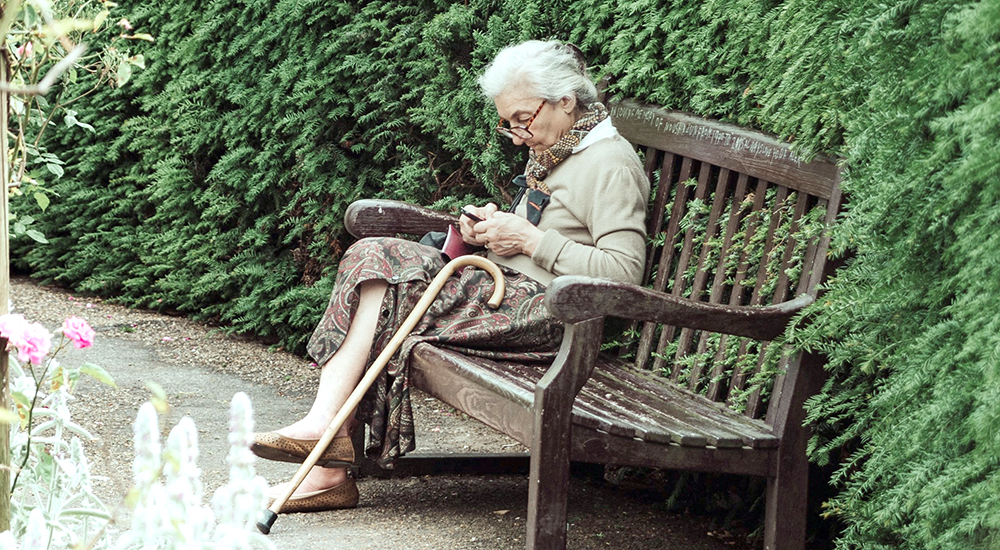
(338, 378)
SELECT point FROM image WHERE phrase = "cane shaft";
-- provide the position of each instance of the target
(383, 359)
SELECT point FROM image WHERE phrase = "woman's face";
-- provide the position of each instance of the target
(553, 120)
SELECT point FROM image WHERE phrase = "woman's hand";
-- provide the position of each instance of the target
(507, 234)
(468, 226)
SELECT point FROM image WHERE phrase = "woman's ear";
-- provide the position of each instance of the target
(567, 104)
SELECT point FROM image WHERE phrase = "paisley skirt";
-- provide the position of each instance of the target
(521, 329)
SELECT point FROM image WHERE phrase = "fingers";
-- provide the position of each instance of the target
(501, 232)
(472, 229)
(508, 234)
(466, 227)
(481, 212)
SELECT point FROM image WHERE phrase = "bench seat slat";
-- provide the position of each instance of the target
(615, 400)
(644, 422)
(668, 413)
(643, 393)
(513, 383)
(601, 447)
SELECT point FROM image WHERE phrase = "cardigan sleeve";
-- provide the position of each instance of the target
(613, 209)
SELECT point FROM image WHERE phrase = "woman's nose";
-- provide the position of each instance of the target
(517, 140)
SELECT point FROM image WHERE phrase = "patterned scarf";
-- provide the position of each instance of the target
(539, 165)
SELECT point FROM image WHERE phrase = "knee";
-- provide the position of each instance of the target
(374, 286)
(365, 250)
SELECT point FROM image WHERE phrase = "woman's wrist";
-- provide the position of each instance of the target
(531, 241)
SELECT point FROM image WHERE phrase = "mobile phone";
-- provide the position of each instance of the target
(471, 216)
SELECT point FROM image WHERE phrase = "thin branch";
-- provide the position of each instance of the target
(48, 119)
(46, 83)
(24, 157)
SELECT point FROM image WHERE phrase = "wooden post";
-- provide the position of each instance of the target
(4, 297)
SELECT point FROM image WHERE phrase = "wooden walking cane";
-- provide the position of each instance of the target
(268, 516)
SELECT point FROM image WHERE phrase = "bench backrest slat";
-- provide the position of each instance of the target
(688, 335)
(736, 218)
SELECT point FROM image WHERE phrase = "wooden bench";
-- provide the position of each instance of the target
(738, 246)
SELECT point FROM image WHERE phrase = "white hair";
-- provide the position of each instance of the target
(548, 70)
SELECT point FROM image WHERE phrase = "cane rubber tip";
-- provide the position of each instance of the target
(267, 518)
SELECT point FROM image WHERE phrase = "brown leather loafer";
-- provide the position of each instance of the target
(342, 496)
(269, 445)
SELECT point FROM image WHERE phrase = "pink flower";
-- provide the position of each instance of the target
(78, 331)
(32, 340)
(12, 326)
(36, 345)
(24, 50)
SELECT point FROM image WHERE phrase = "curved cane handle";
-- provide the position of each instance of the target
(500, 286)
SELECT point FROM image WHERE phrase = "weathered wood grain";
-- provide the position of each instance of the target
(385, 218)
(575, 298)
(726, 145)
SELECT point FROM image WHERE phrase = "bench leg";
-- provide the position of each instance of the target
(785, 511)
(548, 479)
(548, 488)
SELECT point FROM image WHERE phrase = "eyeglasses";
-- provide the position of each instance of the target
(520, 132)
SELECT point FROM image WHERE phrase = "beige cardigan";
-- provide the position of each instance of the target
(595, 222)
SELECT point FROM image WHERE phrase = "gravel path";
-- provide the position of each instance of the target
(200, 369)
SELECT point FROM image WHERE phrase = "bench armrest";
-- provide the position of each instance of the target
(385, 218)
(573, 298)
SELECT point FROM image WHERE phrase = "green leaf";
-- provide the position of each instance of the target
(124, 74)
(55, 169)
(46, 466)
(138, 61)
(71, 121)
(159, 399)
(37, 236)
(31, 17)
(141, 36)
(20, 397)
(85, 512)
(18, 228)
(43, 202)
(98, 373)
(100, 19)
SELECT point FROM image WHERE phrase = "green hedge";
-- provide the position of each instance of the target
(217, 181)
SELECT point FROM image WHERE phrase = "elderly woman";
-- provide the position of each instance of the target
(581, 210)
